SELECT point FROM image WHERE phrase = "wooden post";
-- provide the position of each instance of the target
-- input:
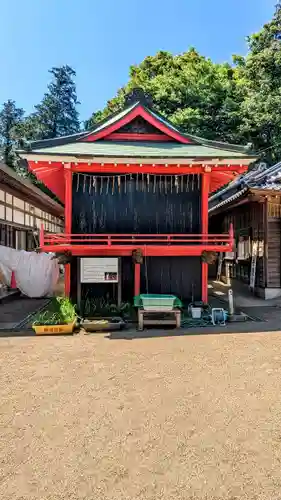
(68, 220)
(204, 228)
(119, 284)
(265, 239)
(137, 280)
(79, 284)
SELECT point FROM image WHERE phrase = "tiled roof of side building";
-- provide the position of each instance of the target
(266, 179)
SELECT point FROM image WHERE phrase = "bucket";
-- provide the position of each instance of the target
(196, 312)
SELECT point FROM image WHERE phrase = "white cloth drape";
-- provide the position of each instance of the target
(36, 274)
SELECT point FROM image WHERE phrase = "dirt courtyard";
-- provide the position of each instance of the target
(192, 417)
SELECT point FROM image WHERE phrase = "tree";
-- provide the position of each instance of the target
(10, 118)
(56, 115)
(260, 74)
(197, 95)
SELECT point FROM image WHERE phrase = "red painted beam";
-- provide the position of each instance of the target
(154, 168)
(149, 250)
(204, 229)
(114, 240)
(68, 221)
(116, 136)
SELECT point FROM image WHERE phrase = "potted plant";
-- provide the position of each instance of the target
(102, 315)
(59, 318)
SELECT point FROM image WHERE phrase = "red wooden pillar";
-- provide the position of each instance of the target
(68, 219)
(137, 280)
(204, 227)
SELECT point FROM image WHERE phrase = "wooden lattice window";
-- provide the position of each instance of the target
(274, 210)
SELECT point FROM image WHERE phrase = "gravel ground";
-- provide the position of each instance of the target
(194, 417)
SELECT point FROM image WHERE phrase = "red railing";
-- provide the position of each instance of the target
(134, 240)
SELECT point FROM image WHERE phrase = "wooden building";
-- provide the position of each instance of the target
(252, 204)
(23, 208)
(136, 183)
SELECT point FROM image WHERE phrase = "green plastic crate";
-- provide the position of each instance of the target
(157, 302)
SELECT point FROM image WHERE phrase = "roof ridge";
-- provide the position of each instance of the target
(220, 144)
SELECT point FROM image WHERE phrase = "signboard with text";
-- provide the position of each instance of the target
(99, 270)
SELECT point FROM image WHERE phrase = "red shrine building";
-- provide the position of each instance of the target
(136, 183)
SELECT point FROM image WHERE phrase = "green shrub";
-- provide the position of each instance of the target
(60, 311)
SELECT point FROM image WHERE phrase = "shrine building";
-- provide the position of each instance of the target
(136, 185)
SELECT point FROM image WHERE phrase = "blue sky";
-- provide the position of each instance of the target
(101, 39)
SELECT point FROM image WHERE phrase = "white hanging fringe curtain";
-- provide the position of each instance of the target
(36, 274)
(143, 182)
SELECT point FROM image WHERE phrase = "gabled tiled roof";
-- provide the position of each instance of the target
(138, 149)
(262, 180)
(62, 145)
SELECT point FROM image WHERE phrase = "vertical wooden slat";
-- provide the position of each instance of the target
(119, 284)
(79, 284)
(265, 251)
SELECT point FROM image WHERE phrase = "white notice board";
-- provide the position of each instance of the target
(99, 270)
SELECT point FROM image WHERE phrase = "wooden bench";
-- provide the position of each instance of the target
(143, 317)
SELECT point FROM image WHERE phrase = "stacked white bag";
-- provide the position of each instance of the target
(36, 274)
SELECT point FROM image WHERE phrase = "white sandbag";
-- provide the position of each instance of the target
(36, 274)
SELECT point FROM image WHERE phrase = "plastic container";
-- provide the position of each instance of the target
(158, 302)
(196, 312)
(95, 325)
(54, 329)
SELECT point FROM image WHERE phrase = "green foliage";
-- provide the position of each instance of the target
(95, 306)
(259, 74)
(66, 309)
(60, 311)
(10, 118)
(56, 115)
(198, 96)
(238, 103)
(48, 318)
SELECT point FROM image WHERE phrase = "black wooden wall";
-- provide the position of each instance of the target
(143, 204)
(180, 276)
(136, 204)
